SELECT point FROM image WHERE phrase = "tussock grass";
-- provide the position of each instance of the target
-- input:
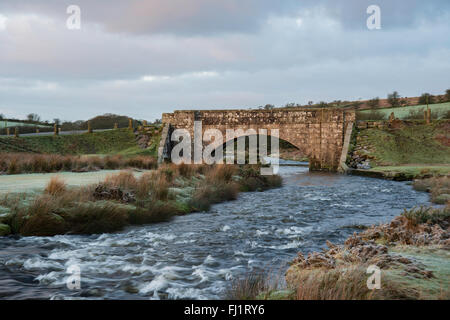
(248, 287)
(122, 200)
(417, 216)
(16, 163)
(347, 283)
(438, 187)
(55, 186)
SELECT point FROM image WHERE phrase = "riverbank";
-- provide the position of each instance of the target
(401, 150)
(403, 173)
(412, 252)
(122, 199)
(197, 255)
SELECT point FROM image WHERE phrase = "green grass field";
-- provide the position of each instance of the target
(438, 110)
(11, 124)
(417, 144)
(121, 141)
(413, 151)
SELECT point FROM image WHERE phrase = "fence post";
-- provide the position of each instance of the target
(16, 132)
(55, 129)
(130, 124)
(89, 127)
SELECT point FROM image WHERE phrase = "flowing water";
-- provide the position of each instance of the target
(196, 256)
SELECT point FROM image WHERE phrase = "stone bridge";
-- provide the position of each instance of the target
(322, 135)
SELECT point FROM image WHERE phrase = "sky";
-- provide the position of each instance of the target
(144, 57)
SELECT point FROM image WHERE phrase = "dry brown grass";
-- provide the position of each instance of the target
(16, 163)
(55, 186)
(346, 283)
(79, 210)
(438, 187)
(220, 173)
(124, 180)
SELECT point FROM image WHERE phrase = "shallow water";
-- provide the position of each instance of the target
(196, 256)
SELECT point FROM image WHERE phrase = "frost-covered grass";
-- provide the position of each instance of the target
(125, 199)
(438, 110)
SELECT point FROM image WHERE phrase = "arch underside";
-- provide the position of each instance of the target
(323, 151)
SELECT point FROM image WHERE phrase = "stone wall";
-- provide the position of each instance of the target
(318, 133)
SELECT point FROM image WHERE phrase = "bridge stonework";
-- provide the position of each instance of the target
(318, 133)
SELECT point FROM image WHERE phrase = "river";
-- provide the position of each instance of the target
(196, 256)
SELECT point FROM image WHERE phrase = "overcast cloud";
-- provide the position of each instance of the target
(142, 58)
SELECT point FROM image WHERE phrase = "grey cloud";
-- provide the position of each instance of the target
(267, 52)
(208, 17)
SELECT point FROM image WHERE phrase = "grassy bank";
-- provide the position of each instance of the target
(106, 142)
(438, 187)
(123, 200)
(411, 252)
(407, 151)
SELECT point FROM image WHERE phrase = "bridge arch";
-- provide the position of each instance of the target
(318, 133)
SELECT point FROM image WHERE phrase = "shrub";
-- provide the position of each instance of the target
(426, 98)
(372, 115)
(394, 99)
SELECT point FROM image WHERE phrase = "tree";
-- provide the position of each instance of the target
(374, 103)
(426, 98)
(33, 117)
(394, 99)
(447, 94)
(269, 106)
(57, 121)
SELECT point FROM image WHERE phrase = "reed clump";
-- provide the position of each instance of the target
(16, 163)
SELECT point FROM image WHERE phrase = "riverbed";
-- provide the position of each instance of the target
(197, 255)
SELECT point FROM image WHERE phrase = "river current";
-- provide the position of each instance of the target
(196, 256)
